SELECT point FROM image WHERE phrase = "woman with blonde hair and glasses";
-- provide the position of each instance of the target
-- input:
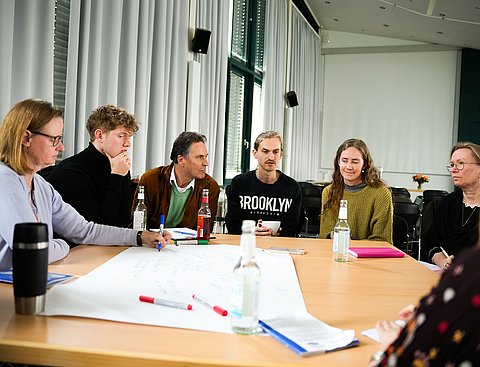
(455, 224)
(357, 180)
(31, 139)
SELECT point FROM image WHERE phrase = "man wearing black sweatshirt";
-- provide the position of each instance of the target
(265, 194)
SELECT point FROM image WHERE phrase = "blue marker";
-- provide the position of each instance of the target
(162, 224)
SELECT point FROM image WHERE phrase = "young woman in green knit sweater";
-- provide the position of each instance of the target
(357, 180)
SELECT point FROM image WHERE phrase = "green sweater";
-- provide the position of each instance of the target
(370, 214)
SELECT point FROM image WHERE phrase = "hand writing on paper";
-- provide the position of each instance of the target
(120, 164)
(442, 261)
(152, 239)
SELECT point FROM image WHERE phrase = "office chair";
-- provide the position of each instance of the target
(419, 201)
(400, 191)
(311, 207)
(428, 216)
(410, 212)
(400, 199)
(431, 195)
(400, 232)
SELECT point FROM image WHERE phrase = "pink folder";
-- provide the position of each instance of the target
(375, 252)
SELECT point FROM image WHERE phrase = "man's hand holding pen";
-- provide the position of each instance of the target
(153, 239)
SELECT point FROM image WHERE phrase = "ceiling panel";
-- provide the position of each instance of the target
(446, 22)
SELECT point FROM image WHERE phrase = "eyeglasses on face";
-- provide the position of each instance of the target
(54, 139)
(459, 165)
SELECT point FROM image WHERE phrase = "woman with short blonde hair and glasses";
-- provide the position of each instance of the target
(31, 139)
(455, 224)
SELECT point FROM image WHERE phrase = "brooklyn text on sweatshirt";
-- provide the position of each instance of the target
(265, 203)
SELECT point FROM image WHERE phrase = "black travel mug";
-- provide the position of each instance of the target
(30, 267)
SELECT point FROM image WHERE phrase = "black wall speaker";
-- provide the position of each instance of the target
(292, 99)
(201, 40)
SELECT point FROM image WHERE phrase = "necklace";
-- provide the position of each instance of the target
(463, 215)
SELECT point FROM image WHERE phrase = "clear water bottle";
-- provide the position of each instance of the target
(204, 217)
(140, 213)
(341, 234)
(246, 284)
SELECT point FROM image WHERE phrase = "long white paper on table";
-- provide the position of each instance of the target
(111, 291)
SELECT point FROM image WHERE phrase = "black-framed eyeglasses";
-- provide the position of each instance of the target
(54, 139)
(458, 165)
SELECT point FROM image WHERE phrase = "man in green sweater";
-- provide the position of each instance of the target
(176, 190)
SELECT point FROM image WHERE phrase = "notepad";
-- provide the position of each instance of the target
(375, 252)
(53, 278)
(306, 335)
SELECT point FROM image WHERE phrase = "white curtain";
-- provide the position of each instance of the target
(304, 125)
(133, 54)
(275, 65)
(26, 41)
(213, 15)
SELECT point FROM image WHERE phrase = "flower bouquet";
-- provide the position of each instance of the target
(420, 178)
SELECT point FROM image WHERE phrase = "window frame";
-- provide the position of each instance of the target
(252, 75)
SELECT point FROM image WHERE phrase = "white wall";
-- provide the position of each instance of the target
(399, 98)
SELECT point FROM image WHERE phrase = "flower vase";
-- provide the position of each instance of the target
(419, 186)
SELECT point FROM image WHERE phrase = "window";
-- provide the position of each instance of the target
(245, 74)
(62, 20)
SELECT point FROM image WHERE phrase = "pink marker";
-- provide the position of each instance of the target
(208, 304)
(165, 302)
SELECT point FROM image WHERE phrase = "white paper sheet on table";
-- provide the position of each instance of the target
(111, 291)
(372, 333)
(432, 267)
